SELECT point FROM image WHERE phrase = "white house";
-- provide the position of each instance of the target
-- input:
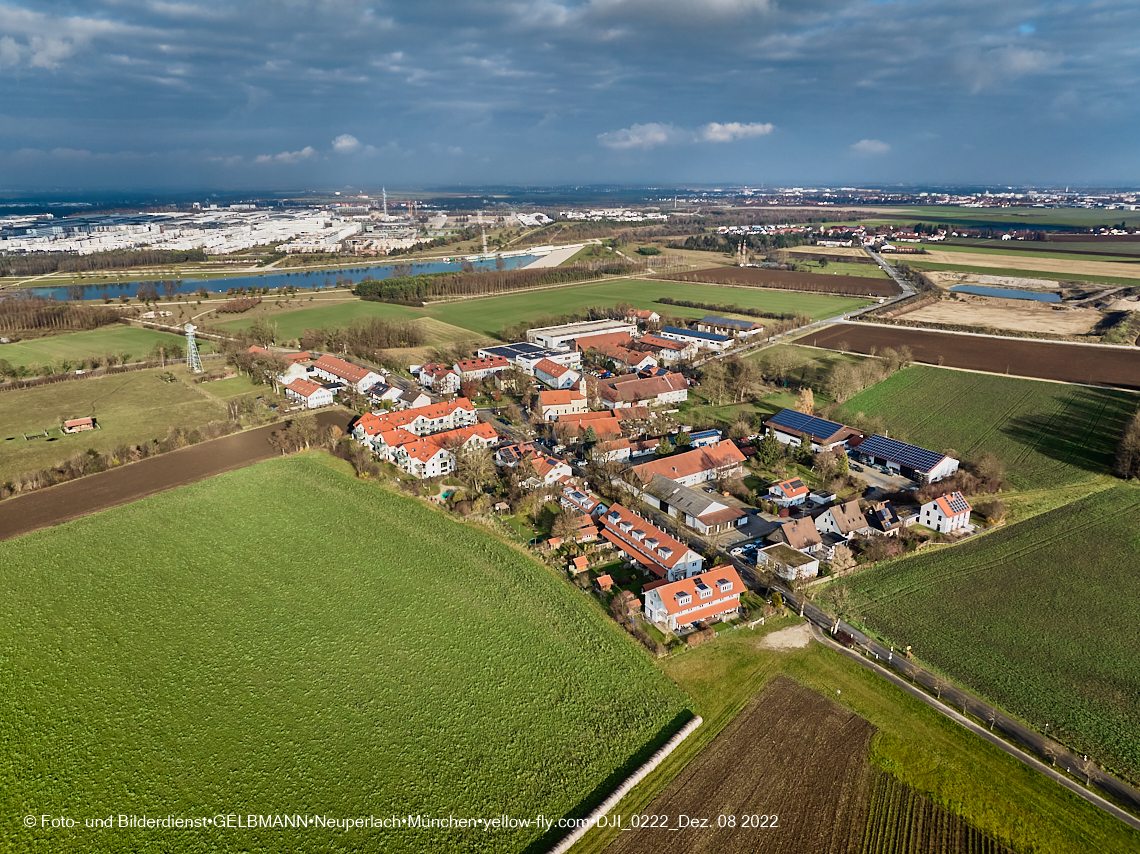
(382, 393)
(846, 520)
(946, 514)
(708, 597)
(337, 370)
(556, 376)
(655, 550)
(439, 378)
(310, 393)
(704, 340)
(788, 563)
(788, 493)
(560, 402)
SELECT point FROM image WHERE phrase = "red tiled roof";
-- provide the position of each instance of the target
(711, 578)
(793, 487)
(552, 368)
(427, 447)
(657, 342)
(560, 397)
(596, 342)
(303, 387)
(641, 389)
(618, 515)
(374, 424)
(483, 364)
(716, 456)
(341, 368)
(944, 504)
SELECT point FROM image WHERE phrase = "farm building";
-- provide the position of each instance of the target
(789, 493)
(78, 425)
(526, 355)
(729, 326)
(699, 510)
(556, 376)
(946, 514)
(311, 394)
(694, 467)
(625, 359)
(606, 425)
(789, 427)
(918, 464)
(559, 337)
(555, 403)
(704, 340)
(711, 596)
(704, 438)
(611, 451)
(666, 350)
(788, 563)
(629, 390)
(333, 369)
(657, 552)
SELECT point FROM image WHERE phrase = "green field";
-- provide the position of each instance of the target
(1047, 434)
(998, 247)
(77, 346)
(488, 315)
(1040, 618)
(1027, 217)
(286, 638)
(129, 408)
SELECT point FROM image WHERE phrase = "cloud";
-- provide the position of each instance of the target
(346, 143)
(870, 147)
(287, 156)
(716, 132)
(654, 133)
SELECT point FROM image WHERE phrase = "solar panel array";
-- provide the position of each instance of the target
(805, 423)
(910, 456)
(693, 333)
(957, 503)
(522, 348)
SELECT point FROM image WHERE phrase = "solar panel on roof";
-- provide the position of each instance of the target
(919, 459)
(957, 503)
(809, 424)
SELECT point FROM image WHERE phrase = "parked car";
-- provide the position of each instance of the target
(857, 467)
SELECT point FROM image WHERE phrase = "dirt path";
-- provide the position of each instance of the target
(78, 498)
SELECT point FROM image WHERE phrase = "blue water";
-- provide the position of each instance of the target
(1007, 293)
(306, 279)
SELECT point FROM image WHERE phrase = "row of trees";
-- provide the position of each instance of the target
(36, 314)
(67, 262)
(1128, 451)
(735, 308)
(847, 379)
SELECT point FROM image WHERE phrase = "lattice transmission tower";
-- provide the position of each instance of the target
(192, 357)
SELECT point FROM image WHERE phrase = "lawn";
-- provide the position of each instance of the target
(129, 408)
(957, 770)
(1047, 434)
(1039, 618)
(288, 639)
(77, 346)
(487, 315)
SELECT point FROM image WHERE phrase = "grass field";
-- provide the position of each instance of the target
(130, 408)
(1062, 266)
(1027, 217)
(288, 639)
(486, 316)
(1047, 434)
(1061, 252)
(842, 268)
(1038, 617)
(77, 346)
(958, 771)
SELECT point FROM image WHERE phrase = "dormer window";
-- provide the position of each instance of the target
(665, 552)
(626, 526)
(683, 599)
(638, 535)
(652, 543)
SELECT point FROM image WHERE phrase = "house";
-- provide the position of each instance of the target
(847, 520)
(574, 498)
(789, 493)
(703, 340)
(708, 597)
(78, 425)
(611, 451)
(729, 326)
(694, 467)
(626, 359)
(704, 438)
(382, 393)
(312, 395)
(946, 514)
(333, 369)
(557, 402)
(910, 461)
(549, 469)
(800, 534)
(699, 510)
(392, 428)
(790, 426)
(413, 398)
(643, 448)
(605, 425)
(481, 368)
(439, 378)
(642, 316)
(620, 392)
(434, 455)
(788, 563)
(511, 455)
(656, 551)
(667, 351)
(884, 520)
(555, 375)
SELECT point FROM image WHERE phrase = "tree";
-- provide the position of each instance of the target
(683, 440)
(777, 601)
(842, 559)
(804, 451)
(1128, 451)
(769, 451)
(990, 468)
(806, 402)
(842, 464)
(843, 382)
(591, 437)
(664, 447)
(825, 464)
(714, 381)
(263, 332)
(474, 465)
(565, 523)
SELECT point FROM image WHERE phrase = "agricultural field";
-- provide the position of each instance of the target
(812, 787)
(131, 407)
(859, 284)
(1023, 261)
(75, 347)
(1039, 249)
(1022, 315)
(957, 771)
(1021, 218)
(1068, 363)
(1038, 618)
(197, 653)
(1047, 434)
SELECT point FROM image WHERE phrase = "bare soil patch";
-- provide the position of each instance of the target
(950, 278)
(1020, 262)
(791, 754)
(847, 253)
(785, 280)
(793, 637)
(1002, 314)
(1070, 363)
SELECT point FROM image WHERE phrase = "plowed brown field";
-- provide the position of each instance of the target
(791, 756)
(788, 281)
(1071, 363)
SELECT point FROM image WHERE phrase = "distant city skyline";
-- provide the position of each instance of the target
(133, 94)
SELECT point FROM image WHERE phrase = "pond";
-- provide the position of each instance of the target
(298, 279)
(1006, 293)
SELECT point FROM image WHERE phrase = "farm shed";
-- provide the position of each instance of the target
(918, 464)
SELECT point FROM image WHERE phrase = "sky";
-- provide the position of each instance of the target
(236, 94)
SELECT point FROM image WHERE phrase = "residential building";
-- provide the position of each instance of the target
(481, 368)
(630, 390)
(382, 394)
(789, 493)
(559, 337)
(847, 520)
(704, 438)
(694, 467)
(439, 378)
(703, 340)
(729, 326)
(583, 501)
(884, 519)
(606, 425)
(626, 360)
(611, 451)
(549, 469)
(311, 394)
(555, 375)
(373, 429)
(557, 402)
(910, 461)
(333, 369)
(667, 351)
(946, 514)
(431, 456)
(642, 316)
(709, 597)
(789, 426)
(801, 534)
(656, 551)
(413, 398)
(703, 512)
(788, 563)
(511, 455)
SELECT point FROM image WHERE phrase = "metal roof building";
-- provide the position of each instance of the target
(909, 460)
(788, 426)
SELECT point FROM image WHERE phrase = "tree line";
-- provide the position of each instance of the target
(30, 313)
(730, 309)
(429, 285)
(69, 262)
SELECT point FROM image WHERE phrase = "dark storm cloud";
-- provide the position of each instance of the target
(294, 92)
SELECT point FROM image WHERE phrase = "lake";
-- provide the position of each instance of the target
(1006, 293)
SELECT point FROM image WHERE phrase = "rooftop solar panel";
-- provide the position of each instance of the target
(957, 503)
(693, 333)
(809, 424)
(919, 459)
